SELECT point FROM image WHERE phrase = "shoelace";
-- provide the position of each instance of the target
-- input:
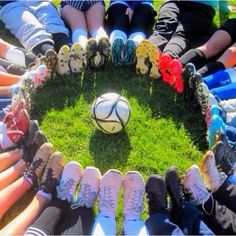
(66, 189)
(35, 165)
(106, 197)
(136, 202)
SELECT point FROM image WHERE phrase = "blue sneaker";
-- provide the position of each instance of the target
(117, 52)
(217, 126)
(129, 52)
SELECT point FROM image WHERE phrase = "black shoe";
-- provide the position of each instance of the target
(223, 155)
(175, 189)
(32, 147)
(33, 128)
(157, 194)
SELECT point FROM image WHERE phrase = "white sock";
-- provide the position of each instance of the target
(115, 34)
(80, 35)
(99, 33)
(14, 54)
(137, 37)
(47, 195)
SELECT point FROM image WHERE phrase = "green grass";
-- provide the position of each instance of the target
(164, 129)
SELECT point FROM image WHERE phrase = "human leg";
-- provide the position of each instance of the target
(12, 68)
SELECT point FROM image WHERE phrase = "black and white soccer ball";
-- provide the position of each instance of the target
(110, 113)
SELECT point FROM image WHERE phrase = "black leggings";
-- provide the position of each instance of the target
(142, 19)
(180, 25)
(59, 218)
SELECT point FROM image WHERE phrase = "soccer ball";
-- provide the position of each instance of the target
(110, 113)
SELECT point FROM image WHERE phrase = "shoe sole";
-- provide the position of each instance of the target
(63, 60)
(129, 51)
(142, 53)
(154, 56)
(51, 56)
(91, 52)
(77, 58)
(117, 51)
(104, 48)
(202, 97)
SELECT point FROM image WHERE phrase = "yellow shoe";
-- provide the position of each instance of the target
(142, 53)
(63, 60)
(154, 55)
(77, 58)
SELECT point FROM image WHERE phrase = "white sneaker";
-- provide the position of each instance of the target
(89, 188)
(194, 186)
(134, 188)
(109, 189)
(211, 176)
(71, 175)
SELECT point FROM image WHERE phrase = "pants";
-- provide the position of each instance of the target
(180, 25)
(106, 225)
(142, 19)
(59, 218)
(187, 220)
(35, 24)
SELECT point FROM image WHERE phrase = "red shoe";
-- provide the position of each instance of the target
(164, 67)
(176, 73)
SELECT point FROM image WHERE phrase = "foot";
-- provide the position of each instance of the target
(194, 186)
(187, 74)
(51, 56)
(157, 194)
(104, 49)
(212, 178)
(91, 52)
(175, 189)
(77, 58)
(134, 188)
(70, 178)
(109, 190)
(176, 73)
(52, 173)
(117, 52)
(142, 55)
(38, 164)
(89, 188)
(164, 67)
(63, 58)
(129, 53)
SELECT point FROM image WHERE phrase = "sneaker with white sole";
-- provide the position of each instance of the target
(134, 188)
(194, 186)
(89, 188)
(71, 176)
(110, 185)
(212, 178)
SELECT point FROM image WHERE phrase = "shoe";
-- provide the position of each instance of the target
(38, 164)
(117, 52)
(129, 52)
(77, 58)
(175, 188)
(51, 56)
(89, 188)
(212, 178)
(104, 49)
(63, 58)
(164, 67)
(134, 188)
(157, 194)
(71, 176)
(176, 73)
(91, 52)
(33, 128)
(30, 148)
(217, 127)
(109, 189)
(52, 173)
(154, 58)
(142, 55)
(223, 154)
(194, 186)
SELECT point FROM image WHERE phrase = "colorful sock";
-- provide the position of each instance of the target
(81, 36)
(115, 34)
(137, 37)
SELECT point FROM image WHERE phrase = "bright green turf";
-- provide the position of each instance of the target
(164, 130)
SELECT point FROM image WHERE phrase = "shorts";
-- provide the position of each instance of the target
(81, 5)
(230, 27)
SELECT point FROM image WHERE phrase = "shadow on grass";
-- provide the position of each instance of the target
(109, 151)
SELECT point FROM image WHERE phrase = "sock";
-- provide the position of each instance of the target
(194, 56)
(137, 37)
(42, 48)
(81, 36)
(210, 68)
(60, 39)
(47, 195)
(99, 33)
(115, 34)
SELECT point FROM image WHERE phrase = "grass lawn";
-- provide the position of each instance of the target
(164, 129)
